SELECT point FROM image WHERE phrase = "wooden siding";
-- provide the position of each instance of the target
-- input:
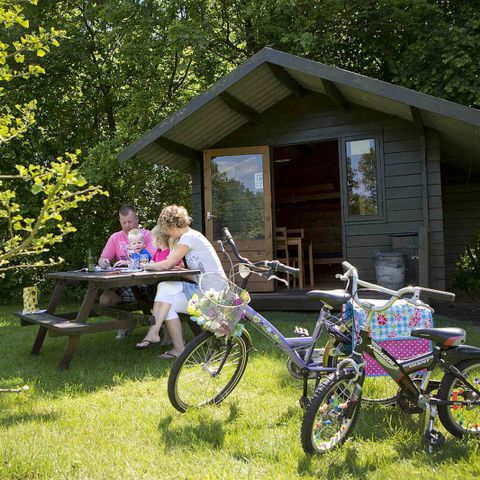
(197, 197)
(314, 118)
(461, 206)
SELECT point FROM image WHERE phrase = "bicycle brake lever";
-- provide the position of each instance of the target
(274, 277)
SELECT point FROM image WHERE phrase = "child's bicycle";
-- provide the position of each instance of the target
(209, 368)
(334, 408)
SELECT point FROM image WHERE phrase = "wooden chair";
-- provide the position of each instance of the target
(298, 234)
(282, 253)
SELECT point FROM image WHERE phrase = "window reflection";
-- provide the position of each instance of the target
(237, 196)
(362, 177)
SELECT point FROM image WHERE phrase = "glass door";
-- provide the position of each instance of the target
(238, 196)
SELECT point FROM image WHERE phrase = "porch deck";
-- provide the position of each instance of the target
(297, 299)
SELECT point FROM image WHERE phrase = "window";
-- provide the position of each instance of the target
(362, 179)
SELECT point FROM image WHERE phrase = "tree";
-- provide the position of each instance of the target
(60, 183)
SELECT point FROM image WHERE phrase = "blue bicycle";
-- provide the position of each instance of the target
(210, 367)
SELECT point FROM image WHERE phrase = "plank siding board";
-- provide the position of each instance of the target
(405, 215)
(404, 192)
(403, 181)
(379, 228)
(403, 146)
(402, 157)
(402, 169)
(368, 240)
(410, 203)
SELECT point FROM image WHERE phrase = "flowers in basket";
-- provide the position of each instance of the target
(219, 311)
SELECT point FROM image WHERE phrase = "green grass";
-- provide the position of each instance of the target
(109, 417)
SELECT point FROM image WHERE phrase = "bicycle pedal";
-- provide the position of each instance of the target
(434, 439)
(300, 331)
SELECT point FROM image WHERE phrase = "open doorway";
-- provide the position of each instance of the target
(306, 195)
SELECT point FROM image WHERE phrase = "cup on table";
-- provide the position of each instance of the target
(143, 261)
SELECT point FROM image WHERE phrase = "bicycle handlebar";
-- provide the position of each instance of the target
(351, 271)
(273, 265)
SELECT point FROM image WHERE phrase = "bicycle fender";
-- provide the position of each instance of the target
(246, 334)
(458, 354)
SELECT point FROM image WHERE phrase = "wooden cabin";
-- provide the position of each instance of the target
(347, 163)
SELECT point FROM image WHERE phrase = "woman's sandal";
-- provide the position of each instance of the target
(167, 356)
(145, 344)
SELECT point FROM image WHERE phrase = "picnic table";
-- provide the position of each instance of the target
(75, 324)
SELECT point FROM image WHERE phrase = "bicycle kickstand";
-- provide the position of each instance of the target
(433, 437)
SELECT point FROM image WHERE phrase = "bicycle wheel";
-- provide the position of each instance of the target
(207, 370)
(331, 414)
(461, 420)
(376, 390)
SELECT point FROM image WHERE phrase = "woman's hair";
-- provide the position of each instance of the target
(173, 216)
(135, 233)
(158, 234)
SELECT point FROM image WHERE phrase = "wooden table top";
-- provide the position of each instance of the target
(123, 277)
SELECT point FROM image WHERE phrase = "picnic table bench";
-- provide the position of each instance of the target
(75, 324)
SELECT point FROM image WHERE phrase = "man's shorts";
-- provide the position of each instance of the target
(126, 294)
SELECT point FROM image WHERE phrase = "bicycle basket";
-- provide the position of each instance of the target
(219, 305)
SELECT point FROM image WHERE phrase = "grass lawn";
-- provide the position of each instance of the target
(109, 417)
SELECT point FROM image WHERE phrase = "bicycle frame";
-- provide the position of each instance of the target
(289, 344)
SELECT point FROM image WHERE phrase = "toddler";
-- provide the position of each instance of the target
(136, 248)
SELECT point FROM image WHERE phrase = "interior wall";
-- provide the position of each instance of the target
(306, 192)
(461, 209)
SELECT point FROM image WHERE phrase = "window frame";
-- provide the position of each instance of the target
(379, 157)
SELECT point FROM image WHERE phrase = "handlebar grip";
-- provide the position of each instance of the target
(226, 233)
(439, 295)
(280, 267)
(347, 266)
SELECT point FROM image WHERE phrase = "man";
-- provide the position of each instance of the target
(116, 249)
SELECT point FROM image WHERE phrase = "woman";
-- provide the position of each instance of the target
(172, 297)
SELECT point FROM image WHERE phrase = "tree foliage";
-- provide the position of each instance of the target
(59, 183)
(124, 65)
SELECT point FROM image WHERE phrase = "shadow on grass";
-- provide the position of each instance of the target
(198, 431)
(15, 419)
(99, 362)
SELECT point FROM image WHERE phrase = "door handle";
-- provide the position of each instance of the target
(210, 215)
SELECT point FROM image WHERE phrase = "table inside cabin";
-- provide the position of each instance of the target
(75, 324)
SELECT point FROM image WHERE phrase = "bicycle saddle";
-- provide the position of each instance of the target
(445, 337)
(334, 298)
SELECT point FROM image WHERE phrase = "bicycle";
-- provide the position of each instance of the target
(331, 415)
(209, 368)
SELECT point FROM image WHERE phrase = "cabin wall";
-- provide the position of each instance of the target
(314, 118)
(461, 206)
(197, 197)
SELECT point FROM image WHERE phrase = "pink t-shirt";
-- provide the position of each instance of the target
(160, 255)
(116, 247)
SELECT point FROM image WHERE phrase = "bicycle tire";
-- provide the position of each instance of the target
(386, 387)
(460, 420)
(192, 381)
(330, 400)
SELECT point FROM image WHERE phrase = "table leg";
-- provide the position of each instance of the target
(56, 297)
(69, 351)
(87, 304)
(37, 344)
(52, 305)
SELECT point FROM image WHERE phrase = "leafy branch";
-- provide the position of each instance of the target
(62, 188)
